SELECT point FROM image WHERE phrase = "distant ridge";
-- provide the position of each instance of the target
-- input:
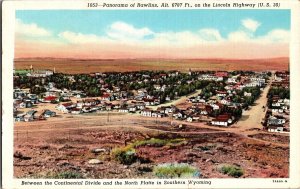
(155, 59)
(75, 66)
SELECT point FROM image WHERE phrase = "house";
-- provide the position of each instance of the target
(203, 112)
(26, 104)
(210, 77)
(132, 109)
(215, 106)
(277, 110)
(32, 97)
(142, 91)
(162, 75)
(225, 102)
(157, 87)
(116, 106)
(109, 106)
(20, 117)
(148, 102)
(51, 85)
(157, 114)
(65, 107)
(165, 109)
(49, 99)
(247, 94)
(48, 113)
(39, 73)
(253, 84)
(86, 109)
(123, 110)
(259, 79)
(231, 80)
(91, 102)
(189, 119)
(64, 98)
(222, 120)
(80, 95)
(79, 104)
(156, 101)
(221, 93)
(18, 93)
(28, 118)
(179, 115)
(192, 99)
(193, 118)
(105, 96)
(277, 129)
(31, 112)
(221, 74)
(161, 110)
(140, 106)
(168, 98)
(275, 121)
(76, 111)
(146, 112)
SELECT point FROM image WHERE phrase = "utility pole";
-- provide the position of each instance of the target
(27, 136)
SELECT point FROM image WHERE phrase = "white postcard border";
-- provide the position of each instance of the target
(8, 20)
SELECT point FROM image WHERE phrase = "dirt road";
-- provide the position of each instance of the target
(252, 118)
(178, 101)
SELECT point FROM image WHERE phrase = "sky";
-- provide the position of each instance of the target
(228, 34)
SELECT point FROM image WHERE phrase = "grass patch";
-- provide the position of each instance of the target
(22, 72)
(176, 170)
(125, 155)
(231, 170)
(207, 147)
(58, 175)
(157, 142)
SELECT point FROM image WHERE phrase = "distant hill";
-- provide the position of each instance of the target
(121, 65)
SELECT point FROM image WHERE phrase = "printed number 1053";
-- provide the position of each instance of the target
(92, 4)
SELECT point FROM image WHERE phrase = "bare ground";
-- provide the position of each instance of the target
(63, 144)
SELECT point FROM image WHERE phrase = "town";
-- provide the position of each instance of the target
(217, 98)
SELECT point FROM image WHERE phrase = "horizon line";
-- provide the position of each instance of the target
(68, 58)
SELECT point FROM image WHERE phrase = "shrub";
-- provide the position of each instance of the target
(125, 155)
(175, 170)
(156, 142)
(67, 175)
(231, 170)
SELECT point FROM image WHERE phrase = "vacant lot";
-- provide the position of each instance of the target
(91, 66)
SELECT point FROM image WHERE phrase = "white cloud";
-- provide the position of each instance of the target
(250, 24)
(276, 35)
(126, 34)
(239, 36)
(210, 35)
(30, 30)
(78, 38)
(183, 38)
(124, 31)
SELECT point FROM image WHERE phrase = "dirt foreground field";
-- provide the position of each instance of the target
(123, 65)
(50, 148)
